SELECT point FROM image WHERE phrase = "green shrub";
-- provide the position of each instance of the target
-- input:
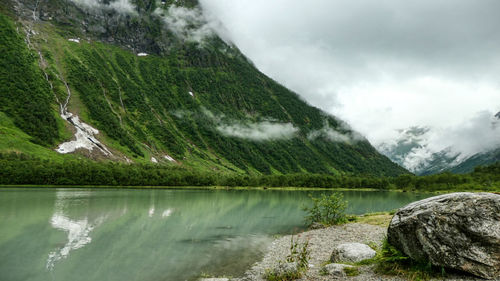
(327, 210)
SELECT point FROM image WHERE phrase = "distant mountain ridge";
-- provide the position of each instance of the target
(149, 82)
(411, 151)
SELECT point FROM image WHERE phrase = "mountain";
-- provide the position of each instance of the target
(148, 81)
(411, 149)
(480, 159)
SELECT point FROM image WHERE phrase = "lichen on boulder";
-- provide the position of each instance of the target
(459, 231)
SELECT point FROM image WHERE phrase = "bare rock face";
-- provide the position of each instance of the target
(459, 231)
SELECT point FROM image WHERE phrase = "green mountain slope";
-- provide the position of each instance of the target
(197, 103)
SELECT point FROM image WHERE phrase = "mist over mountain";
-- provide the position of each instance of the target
(151, 82)
(425, 151)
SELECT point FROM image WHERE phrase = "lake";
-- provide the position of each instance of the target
(151, 235)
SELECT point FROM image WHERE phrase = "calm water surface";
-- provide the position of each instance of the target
(151, 235)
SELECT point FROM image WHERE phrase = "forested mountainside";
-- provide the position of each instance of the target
(148, 82)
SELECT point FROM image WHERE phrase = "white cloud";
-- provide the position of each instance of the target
(265, 130)
(259, 131)
(188, 24)
(120, 6)
(348, 135)
(380, 66)
(479, 134)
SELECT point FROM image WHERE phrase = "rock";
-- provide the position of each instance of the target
(336, 269)
(214, 279)
(352, 252)
(459, 231)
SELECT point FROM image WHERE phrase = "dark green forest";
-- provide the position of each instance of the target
(21, 169)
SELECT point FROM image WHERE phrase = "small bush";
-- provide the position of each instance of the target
(327, 210)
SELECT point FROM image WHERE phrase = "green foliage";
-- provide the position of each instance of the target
(351, 271)
(24, 94)
(391, 261)
(142, 105)
(288, 276)
(327, 210)
(299, 254)
(485, 178)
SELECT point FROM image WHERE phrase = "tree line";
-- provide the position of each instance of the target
(22, 169)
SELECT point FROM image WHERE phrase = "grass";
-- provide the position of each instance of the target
(13, 139)
(288, 276)
(390, 261)
(379, 219)
(351, 271)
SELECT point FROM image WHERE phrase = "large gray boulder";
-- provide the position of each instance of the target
(458, 230)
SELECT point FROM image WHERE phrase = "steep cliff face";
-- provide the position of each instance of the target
(148, 81)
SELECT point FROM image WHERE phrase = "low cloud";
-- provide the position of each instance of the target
(265, 130)
(260, 131)
(120, 6)
(455, 144)
(378, 65)
(345, 134)
(189, 24)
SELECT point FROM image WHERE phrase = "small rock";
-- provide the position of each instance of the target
(352, 252)
(336, 269)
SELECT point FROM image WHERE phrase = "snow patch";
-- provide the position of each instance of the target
(169, 158)
(76, 40)
(154, 160)
(84, 137)
(142, 54)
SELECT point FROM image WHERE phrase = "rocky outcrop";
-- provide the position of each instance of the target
(352, 252)
(459, 231)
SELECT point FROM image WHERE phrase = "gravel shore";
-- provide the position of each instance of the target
(321, 245)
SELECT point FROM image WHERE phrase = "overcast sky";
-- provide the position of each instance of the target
(379, 65)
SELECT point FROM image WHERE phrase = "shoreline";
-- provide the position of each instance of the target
(243, 188)
(321, 244)
(261, 188)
